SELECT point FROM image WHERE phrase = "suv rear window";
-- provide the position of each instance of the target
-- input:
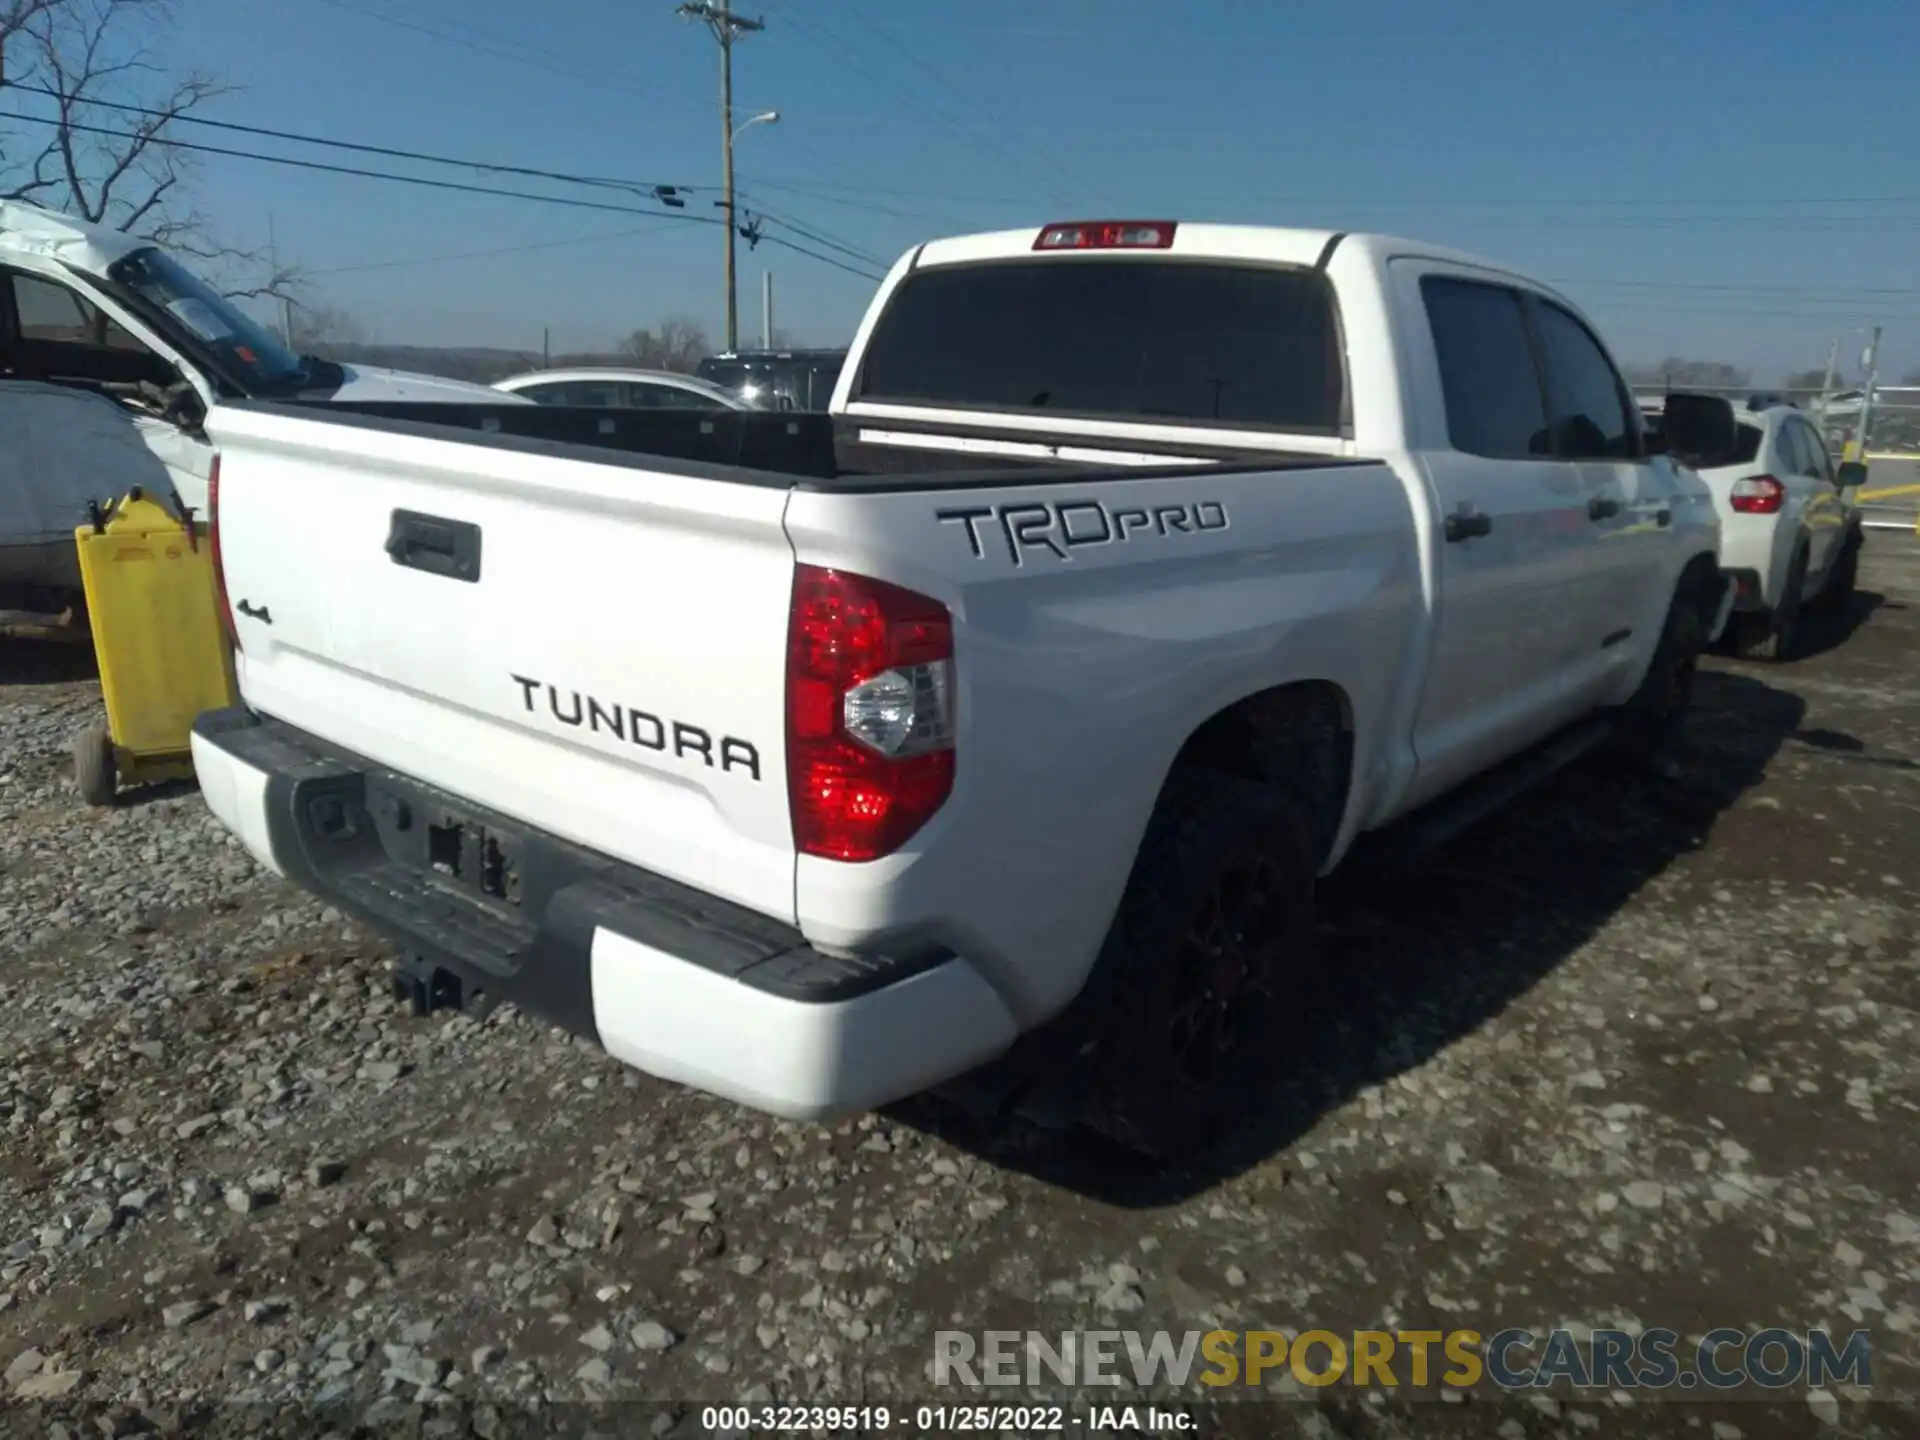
(1146, 340)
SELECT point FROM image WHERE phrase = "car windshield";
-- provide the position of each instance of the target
(206, 320)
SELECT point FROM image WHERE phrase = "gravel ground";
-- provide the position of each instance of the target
(1637, 1055)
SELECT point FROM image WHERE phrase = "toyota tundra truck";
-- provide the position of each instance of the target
(1000, 720)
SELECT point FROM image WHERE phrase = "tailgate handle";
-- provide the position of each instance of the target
(436, 545)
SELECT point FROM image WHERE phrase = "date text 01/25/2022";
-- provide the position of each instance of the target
(941, 1419)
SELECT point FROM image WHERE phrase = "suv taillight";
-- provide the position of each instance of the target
(213, 547)
(1758, 495)
(870, 733)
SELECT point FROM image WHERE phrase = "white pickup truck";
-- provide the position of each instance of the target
(110, 352)
(815, 760)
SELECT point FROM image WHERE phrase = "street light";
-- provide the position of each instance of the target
(766, 117)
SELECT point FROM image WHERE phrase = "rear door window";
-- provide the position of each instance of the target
(1812, 454)
(1792, 453)
(1170, 341)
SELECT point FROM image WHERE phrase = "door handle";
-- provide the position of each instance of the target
(1602, 507)
(432, 543)
(1663, 517)
(1467, 525)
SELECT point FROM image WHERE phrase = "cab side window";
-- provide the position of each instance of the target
(1495, 404)
(50, 312)
(1592, 418)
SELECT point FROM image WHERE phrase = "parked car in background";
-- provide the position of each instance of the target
(1790, 531)
(1137, 571)
(620, 389)
(111, 352)
(777, 379)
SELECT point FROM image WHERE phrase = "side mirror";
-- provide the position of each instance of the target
(1849, 474)
(1698, 426)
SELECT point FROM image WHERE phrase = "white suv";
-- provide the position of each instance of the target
(1789, 523)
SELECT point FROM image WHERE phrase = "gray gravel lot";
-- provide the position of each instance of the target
(1640, 1055)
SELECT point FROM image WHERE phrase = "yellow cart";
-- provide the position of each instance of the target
(154, 609)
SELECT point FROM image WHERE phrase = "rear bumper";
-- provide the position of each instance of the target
(672, 981)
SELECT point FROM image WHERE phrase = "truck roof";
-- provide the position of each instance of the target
(1274, 244)
(33, 230)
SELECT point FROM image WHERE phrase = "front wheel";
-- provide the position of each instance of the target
(1216, 926)
(1647, 729)
(1776, 637)
(1837, 594)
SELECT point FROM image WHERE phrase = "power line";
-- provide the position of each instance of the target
(820, 237)
(1048, 160)
(638, 187)
(516, 50)
(421, 181)
(918, 102)
(644, 188)
(500, 250)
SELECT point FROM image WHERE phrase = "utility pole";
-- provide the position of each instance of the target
(766, 310)
(726, 27)
(1870, 362)
(1826, 385)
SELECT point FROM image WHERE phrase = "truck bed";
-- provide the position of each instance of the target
(783, 450)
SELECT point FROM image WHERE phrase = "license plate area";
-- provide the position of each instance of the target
(458, 848)
(473, 855)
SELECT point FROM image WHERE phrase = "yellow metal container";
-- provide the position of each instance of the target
(153, 606)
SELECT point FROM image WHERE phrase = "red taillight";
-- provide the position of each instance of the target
(1758, 495)
(213, 548)
(869, 713)
(1107, 235)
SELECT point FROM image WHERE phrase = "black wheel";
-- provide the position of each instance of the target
(94, 771)
(1217, 918)
(1837, 594)
(1776, 637)
(1648, 727)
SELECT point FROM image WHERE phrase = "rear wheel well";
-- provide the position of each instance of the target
(1297, 738)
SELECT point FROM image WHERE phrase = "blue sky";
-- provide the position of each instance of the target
(1657, 158)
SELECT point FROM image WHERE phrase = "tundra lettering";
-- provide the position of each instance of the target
(649, 732)
(1064, 525)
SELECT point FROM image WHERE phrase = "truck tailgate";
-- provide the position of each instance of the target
(596, 649)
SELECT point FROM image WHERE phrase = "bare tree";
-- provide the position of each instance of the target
(109, 166)
(324, 329)
(676, 343)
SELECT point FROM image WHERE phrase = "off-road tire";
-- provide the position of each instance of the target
(1775, 636)
(94, 771)
(1190, 988)
(1648, 727)
(1837, 594)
